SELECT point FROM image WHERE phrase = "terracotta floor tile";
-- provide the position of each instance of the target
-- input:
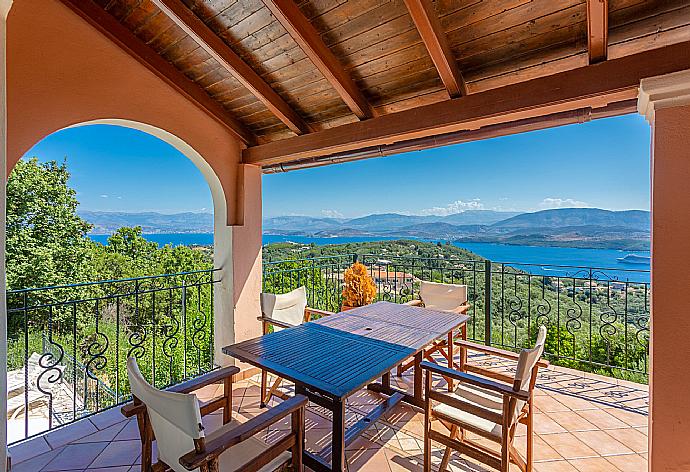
(575, 403)
(542, 451)
(118, 453)
(415, 428)
(629, 417)
(107, 434)
(362, 443)
(568, 446)
(544, 424)
(317, 439)
(632, 438)
(629, 463)
(28, 449)
(571, 421)
(547, 403)
(107, 418)
(602, 419)
(72, 432)
(404, 463)
(36, 463)
(129, 432)
(594, 464)
(125, 468)
(75, 456)
(602, 442)
(370, 460)
(565, 426)
(554, 466)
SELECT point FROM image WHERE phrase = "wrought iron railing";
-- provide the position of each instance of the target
(68, 345)
(597, 319)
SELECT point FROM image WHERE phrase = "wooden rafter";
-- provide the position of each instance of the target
(595, 86)
(178, 12)
(597, 30)
(304, 34)
(429, 27)
(107, 25)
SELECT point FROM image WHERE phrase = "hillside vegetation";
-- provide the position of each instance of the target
(597, 325)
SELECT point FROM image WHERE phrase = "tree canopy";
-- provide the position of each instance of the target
(46, 239)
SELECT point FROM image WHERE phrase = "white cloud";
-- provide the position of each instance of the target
(551, 202)
(104, 196)
(332, 214)
(458, 206)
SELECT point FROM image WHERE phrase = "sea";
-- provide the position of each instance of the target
(542, 260)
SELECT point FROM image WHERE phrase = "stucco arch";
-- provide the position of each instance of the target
(61, 72)
(214, 184)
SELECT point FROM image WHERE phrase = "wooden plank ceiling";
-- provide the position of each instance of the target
(281, 68)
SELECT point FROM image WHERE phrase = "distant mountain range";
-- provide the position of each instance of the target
(107, 222)
(577, 227)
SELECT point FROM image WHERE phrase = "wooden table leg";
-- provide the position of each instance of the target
(418, 387)
(463, 350)
(338, 461)
(386, 381)
(450, 358)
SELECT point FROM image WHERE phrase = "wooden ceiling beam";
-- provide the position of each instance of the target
(597, 30)
(429, 28)
(595, 86)
(108, 25)
(207, 39)
(305, 35)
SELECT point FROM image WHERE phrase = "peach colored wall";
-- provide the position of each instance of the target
(62, 72)
(670, 325)
(246, 241)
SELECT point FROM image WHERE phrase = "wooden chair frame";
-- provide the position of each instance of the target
(138, 409)
(267, 323)
(508, 387)
(444, 346)
(208, 449)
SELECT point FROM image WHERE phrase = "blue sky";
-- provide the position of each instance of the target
(120, 169)
(602, 164)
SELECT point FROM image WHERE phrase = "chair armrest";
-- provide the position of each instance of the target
(462, 309)
(495, 351)
(208, 378)
(271, 321)
(314, 311)
(229, 435)
(415, 303)
(130, 409)
(476, 381)
(214, 376)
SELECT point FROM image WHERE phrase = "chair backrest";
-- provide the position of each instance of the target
(175, 417)
(523, 371)
(528, 359)
(287, 307)
(445, 297)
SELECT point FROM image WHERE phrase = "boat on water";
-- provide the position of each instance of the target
(634, 259)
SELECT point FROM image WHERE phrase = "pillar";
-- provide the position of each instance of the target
(237, 253)
(246, 249)
(665, 101)
(4, 10)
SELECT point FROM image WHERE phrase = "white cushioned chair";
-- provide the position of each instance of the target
(174, 419)
(441, 297)
(281, 311)
(491, 408)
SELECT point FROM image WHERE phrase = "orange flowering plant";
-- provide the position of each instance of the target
(359, 288)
